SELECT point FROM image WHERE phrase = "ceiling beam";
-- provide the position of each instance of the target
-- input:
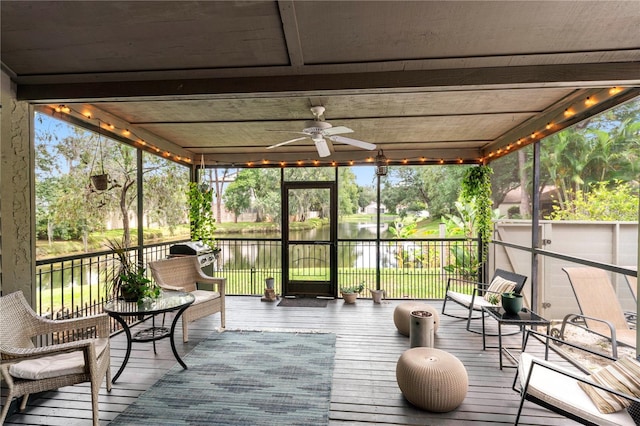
(574, 75)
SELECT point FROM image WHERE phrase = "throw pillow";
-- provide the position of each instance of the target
(499, 285)
(623, 376)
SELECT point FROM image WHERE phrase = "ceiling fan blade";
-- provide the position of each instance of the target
(338, 130)
(354, 142)
(322, 147)
(286, 142)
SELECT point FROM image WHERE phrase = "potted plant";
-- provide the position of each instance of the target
(130, 281)
(200, 198)
(512, 302)
(350, 293)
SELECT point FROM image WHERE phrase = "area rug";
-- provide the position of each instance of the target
(303, 302)
(243, 378)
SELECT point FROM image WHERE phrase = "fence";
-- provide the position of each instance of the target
(414, 269)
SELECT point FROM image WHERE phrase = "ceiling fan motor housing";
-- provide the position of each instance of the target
(313, 127)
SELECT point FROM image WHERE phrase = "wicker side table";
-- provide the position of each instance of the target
(432, 379)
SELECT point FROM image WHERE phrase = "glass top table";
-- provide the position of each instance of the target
(169, 301)
(523, 318)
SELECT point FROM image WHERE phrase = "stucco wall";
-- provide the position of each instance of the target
(17, 243)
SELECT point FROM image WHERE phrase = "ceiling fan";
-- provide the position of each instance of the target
(318, 129)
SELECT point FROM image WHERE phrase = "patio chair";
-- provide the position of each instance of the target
(632, 282)
(185, 274)
(475, 294)
(81, 352)
(600, 310)
(565, 392)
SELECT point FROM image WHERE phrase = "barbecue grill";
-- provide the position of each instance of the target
(206, 256)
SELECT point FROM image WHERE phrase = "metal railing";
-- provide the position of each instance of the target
(415, 269)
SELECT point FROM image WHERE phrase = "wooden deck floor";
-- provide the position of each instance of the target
(364, 389)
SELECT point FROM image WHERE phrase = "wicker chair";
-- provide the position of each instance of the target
(185, 274)
(80, 352)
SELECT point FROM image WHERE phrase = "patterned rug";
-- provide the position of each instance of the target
(243, 378)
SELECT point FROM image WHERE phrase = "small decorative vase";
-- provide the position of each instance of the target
(349, 297)
(512, 303)
(269, 282)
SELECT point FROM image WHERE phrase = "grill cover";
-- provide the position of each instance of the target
(190, 248)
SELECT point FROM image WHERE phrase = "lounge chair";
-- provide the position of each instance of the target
(185, 274)
(558, 389)
(472, 297)
(80, 352)
(600, 310)
(632, 282)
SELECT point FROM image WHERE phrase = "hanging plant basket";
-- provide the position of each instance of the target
(100, 182)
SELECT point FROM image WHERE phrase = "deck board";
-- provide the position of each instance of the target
(364, 388)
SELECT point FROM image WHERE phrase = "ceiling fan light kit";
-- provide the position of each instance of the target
(318, 129)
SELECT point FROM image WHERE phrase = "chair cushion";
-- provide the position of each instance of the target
(499, 285)
(563, 392)
(204, 295)
(51, 366)
(623, 376)
(465, 300)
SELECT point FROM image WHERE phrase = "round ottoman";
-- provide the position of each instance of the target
(432, 379)
(402, 316)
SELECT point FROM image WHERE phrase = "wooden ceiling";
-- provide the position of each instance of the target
(424, 80)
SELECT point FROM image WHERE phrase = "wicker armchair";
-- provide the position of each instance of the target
(185, 274)
(78, 351)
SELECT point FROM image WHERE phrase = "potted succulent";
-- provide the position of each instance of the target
(130, 281)
(350, 293)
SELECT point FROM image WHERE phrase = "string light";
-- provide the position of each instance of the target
(101, 124)
(580, 106)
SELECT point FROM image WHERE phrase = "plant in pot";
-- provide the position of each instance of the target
(130, 281)
(511, 302)
(200, 198)
(350, 293)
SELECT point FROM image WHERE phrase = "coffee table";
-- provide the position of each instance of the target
(169, 301)
(524, 318)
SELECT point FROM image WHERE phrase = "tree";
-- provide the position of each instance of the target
(602, 202)
(435, 187)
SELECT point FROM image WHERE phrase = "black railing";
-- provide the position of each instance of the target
(415, 269)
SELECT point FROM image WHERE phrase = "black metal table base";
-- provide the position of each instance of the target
(148, 335)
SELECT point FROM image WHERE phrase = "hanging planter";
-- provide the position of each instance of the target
(476, 188)
(100, 182)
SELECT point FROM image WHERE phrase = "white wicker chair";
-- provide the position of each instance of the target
(185, 274)
(81, 352)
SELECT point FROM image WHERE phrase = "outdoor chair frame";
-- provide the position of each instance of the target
(591, 286)
(568, 406)
(476, 301)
